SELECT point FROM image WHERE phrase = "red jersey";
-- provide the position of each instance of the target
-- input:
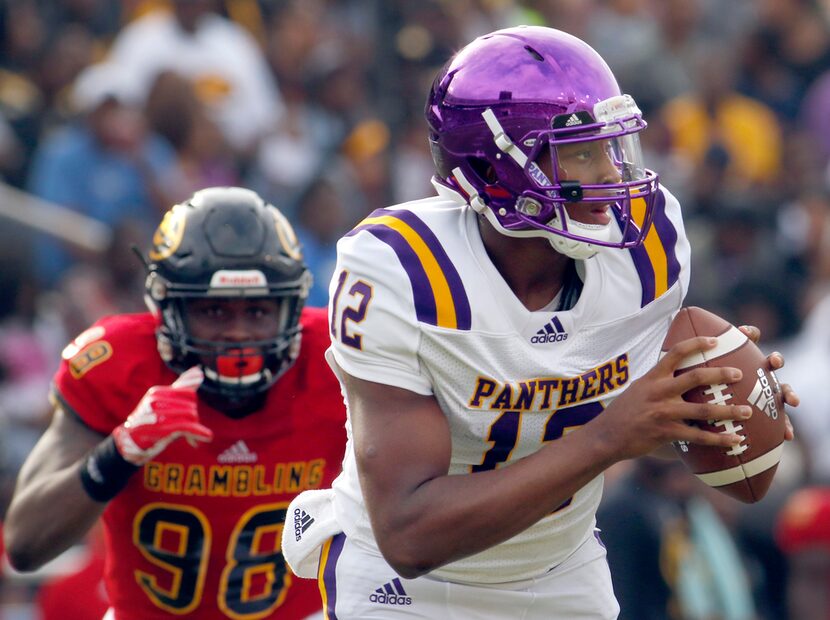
(196, 532)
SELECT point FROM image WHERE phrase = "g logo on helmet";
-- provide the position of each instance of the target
(286, 234)
(169, 234)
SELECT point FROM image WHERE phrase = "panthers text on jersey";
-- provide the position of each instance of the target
(417, 303)
(196, 533)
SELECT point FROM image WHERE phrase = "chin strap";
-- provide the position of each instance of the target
(473, 197)
(578, 250)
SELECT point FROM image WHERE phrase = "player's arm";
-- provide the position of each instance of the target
(423, 518)
(50, 510)
(73, 472)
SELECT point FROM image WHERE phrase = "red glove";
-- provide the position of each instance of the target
(165, 413)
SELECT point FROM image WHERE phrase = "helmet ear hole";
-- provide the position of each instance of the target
(483, 169)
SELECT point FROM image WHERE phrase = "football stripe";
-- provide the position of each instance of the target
(745, 470)
(728, 341)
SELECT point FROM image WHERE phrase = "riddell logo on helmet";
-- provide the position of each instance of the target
(234, 279)
(551, 332)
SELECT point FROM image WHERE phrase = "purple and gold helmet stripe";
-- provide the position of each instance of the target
(439, 294)
(656, 259)
(327, 573)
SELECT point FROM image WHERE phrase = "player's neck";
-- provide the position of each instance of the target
(533, 270)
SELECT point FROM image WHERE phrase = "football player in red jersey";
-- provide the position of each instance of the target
(190, 428)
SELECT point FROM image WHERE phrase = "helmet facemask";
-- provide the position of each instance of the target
(541, 208)
(236, 372)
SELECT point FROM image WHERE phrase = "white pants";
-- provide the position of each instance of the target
(357, 583)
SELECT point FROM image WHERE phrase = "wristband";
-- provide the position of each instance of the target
(105, 472)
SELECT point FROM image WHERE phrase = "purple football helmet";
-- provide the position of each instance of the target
(511, 98)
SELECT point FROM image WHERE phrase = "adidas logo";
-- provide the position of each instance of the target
(762, 397)
(237, 453)
(391, 593)
(302, 521)
(573, 120)
(551, 332)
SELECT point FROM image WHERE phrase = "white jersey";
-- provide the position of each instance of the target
(417, 303)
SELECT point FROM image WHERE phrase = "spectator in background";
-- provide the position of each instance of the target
(803, 236)
(177, 114)
(809, 359)
(111, 284)
(716, 116)
(41, 57)
(671, 555)
(411, 166)
(103, 18)
(25, 371)
(624, 32)
(733, 244)
(106, 166)
(816, 121)
(803, 532)
(785, 52)
(291, 155)
(24, 35)
(365, 166)
(221, 58)
(322, 71)
(10, 147)
(320, 221)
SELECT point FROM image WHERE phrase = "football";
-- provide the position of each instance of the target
(744, 471)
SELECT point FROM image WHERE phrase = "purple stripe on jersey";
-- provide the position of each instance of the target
(425, 308)
(329, 574)
(361, 226)
(425, 304)
(459, 294)
(668, 237)
(642, 263)
(666, 233)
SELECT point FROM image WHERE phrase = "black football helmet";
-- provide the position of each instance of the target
(227, 242)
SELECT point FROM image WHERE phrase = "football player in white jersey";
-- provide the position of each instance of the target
(498, 348)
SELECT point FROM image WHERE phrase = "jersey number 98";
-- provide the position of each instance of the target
(177, 540)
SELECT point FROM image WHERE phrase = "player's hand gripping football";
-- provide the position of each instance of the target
(776, 361)
(652, 412)
(165, 413)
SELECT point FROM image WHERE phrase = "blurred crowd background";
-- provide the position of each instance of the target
(117, 110)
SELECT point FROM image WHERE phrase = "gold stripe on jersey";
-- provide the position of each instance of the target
(444, 304)
(654, 248)
(321, 570)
